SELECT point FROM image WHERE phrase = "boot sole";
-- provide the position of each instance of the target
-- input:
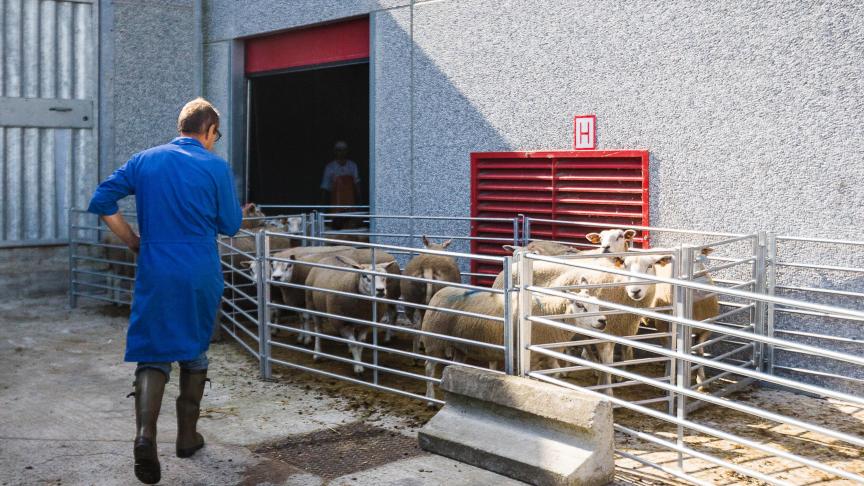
(147, 467)
(184, 453)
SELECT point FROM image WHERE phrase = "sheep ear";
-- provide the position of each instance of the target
(426, 241)
(510, 248)
(593, 238)
(292, 257)
(583, 281)
(629, 234)
(619, 262)
(389, 265)
(247, 263)
(347, 261)
(446, 244)
(707, 251)
(664, 261)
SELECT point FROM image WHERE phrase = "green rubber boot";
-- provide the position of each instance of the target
(149, 387)
(188, 410)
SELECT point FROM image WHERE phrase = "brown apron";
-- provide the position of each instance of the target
(343, 194)
(343, 191)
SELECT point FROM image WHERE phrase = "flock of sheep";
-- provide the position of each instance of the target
(340, 289)
(347, 287)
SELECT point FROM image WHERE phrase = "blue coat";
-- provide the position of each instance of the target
(184, 196)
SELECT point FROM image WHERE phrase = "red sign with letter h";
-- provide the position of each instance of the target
(584, 134)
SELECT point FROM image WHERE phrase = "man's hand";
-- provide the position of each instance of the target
(118, 225)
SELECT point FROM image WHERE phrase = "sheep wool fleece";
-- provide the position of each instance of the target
(184, 197)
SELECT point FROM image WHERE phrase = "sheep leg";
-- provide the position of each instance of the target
(626, 355)
(431, 370)
(307, 326)
(417, 321)
(607, 356)
(348, 332)
(317, 323)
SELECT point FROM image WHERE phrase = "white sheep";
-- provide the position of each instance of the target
(430, 267)
(625, 293)
(489, 331)
(341, 305)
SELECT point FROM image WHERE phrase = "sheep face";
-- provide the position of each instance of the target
(294, 224)
(368, 282)
(597, 322)
(612, 241)
(642, 264)
(283, 271)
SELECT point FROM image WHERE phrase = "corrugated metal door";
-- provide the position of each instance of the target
(48, 89)
(594, 186)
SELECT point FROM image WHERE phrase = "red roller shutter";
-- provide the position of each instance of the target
(596, 186)
(309, 46)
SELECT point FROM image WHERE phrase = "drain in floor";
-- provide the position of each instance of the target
(334, 452)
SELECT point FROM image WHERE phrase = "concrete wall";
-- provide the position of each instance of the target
(148, 69)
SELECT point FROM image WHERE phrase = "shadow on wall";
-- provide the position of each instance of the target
(425, 131)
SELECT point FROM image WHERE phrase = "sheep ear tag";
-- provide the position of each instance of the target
(619, 262)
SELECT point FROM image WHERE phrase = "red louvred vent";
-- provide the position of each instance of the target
(593, 186)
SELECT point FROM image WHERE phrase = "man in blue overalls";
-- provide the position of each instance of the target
(184, 196)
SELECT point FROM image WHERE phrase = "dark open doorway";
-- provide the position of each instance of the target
(294, 120)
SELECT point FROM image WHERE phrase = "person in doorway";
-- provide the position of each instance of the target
(340, 185)
(184, 197)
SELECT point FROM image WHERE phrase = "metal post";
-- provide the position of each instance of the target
(771, 282)
(683, 308)
(523, 340)
(73, 299)
(516, 230)
(262, 251)
(759, 311)
(677, 306)
(509, 321)
(305, 229)
(526, 231)
(319, 227)
(374, 319)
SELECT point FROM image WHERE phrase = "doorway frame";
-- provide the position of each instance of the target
(240, 101)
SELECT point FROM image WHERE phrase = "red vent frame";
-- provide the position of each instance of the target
(597, 186)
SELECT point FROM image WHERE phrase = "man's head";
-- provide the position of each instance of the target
(200, 120)
(340, 148)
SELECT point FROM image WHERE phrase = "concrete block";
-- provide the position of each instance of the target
(521, 428)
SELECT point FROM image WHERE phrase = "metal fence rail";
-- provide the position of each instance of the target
(768, 295)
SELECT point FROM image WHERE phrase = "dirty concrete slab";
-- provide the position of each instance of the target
(65, 418)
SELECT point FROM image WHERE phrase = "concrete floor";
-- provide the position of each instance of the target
(65, 418)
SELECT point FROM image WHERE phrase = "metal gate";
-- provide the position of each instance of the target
(48, 120)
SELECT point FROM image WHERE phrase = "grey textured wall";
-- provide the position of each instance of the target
(753, 112)
(151, 64)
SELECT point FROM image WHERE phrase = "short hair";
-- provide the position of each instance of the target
(197, 116)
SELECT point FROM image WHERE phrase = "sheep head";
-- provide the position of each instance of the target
(641, 264)
(367, 282)
(613, 240)
(575, 307)
(282, 270)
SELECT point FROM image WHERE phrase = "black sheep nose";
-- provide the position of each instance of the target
(600, 324)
